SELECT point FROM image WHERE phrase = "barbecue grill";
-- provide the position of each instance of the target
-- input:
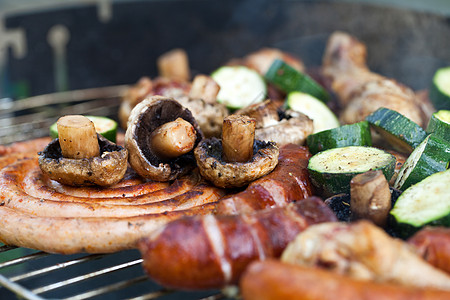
(101, 52)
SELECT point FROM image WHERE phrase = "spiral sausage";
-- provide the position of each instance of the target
(36, 212)
(213, 251)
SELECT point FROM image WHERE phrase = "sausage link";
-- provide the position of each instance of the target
(433, 244)
(288, 182)
(213, 251)
(273, 280)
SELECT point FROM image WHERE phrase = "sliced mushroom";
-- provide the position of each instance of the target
(278, 125)
(154, 126)
(106, 169)
(226, 166)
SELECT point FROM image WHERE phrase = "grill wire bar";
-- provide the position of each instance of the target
(20, 283)
(36, 275)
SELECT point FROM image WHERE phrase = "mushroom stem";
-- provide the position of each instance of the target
(370, 197)
(173, 139)
(77, 137)
(238, 135)
(204, 87)
(174, 64)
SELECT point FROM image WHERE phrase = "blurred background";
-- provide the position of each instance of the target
(48, 45)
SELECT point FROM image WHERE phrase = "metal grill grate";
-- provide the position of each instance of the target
(37, 275)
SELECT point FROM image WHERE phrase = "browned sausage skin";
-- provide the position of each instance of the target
(289, 181)
(274, 280)
(213, 251)
(433, 244)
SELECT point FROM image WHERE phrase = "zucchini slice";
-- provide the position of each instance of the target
(399, 131)
(103, 125)
(439, 124)
(332, 170)
(440, 89)
(239, 86)
(431, 156)
(288, 79)
(323, 118)
(357, 134)
(425, 203)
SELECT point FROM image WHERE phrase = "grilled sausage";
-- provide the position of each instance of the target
(213, 251)
(34, 145)
(433, 244)
(289, 181)
(273, 280)
(73, 235)
(38, 213)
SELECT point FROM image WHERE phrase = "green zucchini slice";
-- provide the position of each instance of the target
(103, 125)
(357, 134)
(332, 170)
(399, 131)
(440, 89)
(288, 79)
(425, 203)
(439, 124)
(431, 156)
(323, 118)
(239, 86)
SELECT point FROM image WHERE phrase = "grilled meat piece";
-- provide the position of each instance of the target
(213, 251)
(359, 90)
(364, 251)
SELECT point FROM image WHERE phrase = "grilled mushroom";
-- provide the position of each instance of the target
(82, 157)
(202, 103)
(278, 125)
(160, 137)
(238, 159)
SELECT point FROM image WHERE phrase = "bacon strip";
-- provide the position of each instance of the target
(213, 251)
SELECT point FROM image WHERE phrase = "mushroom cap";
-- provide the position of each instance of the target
(106, 169)
(293, 127)
(223, 174)
(145, 117)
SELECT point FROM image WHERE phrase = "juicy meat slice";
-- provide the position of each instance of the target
(359, 90)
